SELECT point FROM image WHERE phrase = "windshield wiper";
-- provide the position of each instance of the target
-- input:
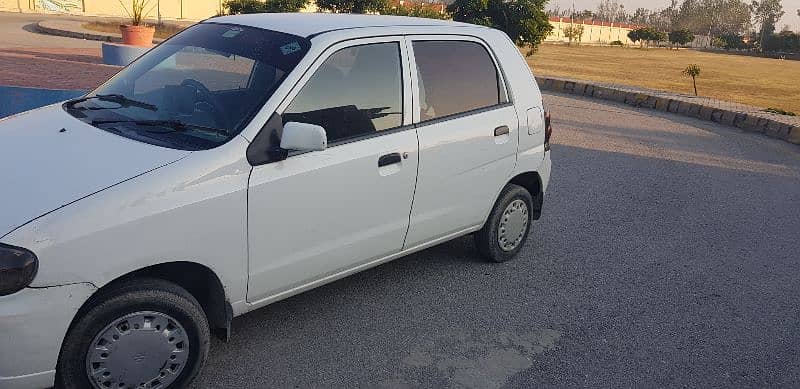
(174, 125)
(114, 98)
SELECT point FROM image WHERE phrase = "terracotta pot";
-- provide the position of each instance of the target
(137, 35)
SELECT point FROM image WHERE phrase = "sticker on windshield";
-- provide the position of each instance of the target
(290, 48)
(232, 32)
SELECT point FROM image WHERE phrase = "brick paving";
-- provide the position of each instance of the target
(54, 68)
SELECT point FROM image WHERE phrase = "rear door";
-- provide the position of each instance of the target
(467, 131)
(315, 215)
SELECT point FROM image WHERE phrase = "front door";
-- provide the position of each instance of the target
(315, 215)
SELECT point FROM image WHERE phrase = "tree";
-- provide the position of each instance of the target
(692, 71)
(418, 10)
(574, 32)
(766, 14)
(681, 37)
(584, 15)
(611, 11)
(235, 7)
(352, 6)
(731, 42)
(635, 36)
(641, 16)
(713, 17)
(523, 20)
(647, 35)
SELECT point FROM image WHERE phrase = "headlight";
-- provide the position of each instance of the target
(17, 268)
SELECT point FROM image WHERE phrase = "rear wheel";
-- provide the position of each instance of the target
(508, 225)
(144, 333)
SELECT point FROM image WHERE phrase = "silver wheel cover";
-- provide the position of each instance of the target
(139, 350)
(513, 224)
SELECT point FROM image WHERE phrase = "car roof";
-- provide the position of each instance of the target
(308, 24)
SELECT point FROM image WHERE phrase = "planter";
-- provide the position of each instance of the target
(137, 35)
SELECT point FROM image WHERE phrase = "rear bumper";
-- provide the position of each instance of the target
(33, 323)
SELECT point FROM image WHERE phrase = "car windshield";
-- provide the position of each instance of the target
(196, 90)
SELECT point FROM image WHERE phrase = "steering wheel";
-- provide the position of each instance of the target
(204, 97)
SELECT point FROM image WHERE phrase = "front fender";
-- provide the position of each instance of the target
(193, 210)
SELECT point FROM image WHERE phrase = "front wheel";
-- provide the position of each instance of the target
(144, 333)
(507, 227)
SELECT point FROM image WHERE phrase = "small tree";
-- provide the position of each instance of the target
(574, 32)
(692, 71)
(681, 37)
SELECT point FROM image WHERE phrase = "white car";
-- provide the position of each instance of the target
(245, 160)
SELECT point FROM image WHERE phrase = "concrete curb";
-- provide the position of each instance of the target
(60, 29)
(750, 122)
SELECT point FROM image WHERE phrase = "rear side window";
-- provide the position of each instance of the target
(455, 77)
(356, 92)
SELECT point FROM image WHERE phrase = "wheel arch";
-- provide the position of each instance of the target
(199, 280)
(532, 182)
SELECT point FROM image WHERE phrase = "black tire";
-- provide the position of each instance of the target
(135, 295)
(486, 239)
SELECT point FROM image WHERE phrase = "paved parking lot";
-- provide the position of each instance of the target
(668, 255)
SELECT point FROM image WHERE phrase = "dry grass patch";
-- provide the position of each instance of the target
(760, 82)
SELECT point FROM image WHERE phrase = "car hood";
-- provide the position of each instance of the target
(49, 159)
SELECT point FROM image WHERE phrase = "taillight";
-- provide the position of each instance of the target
(548, 130)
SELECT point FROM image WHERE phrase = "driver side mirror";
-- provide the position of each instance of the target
(303, 137)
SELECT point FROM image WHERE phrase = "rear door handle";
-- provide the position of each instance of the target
(502, 130)
(389, 159)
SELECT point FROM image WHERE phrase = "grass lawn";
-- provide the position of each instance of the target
(760, 82)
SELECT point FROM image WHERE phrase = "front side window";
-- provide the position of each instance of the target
(455, 77)
(357, 91)
(195, 91)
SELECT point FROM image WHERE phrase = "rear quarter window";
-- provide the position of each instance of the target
(455, 77)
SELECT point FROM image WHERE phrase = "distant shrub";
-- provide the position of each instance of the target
(780, 111)
(617, 43)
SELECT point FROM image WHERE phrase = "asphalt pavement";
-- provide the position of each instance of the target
(18, 31)
(667, 255)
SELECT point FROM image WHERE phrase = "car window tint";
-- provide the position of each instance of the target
(454, 77)
(357, 91)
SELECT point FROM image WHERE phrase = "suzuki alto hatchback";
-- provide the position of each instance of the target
(245, 160)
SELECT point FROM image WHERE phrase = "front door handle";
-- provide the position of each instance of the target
(502, 130)
(389, 159)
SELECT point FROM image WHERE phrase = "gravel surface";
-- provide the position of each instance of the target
(667, 255)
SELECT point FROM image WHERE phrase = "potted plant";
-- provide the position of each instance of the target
(137, 33)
